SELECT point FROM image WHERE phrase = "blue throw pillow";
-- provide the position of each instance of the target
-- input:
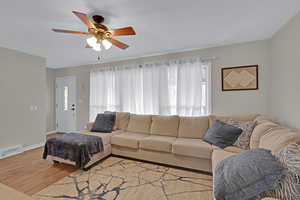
(222, 134)
(246, 175)
(104, 123)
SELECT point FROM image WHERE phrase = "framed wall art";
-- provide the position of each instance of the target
(240, 78)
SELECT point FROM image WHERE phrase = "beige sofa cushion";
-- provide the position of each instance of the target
(127, 139)
(245, 118)
(192, 147)
(218, 156)
(165, 125)
(122, 120)
(106, 137)
(139, 123)
(259, 131)
(232, 149)
(261, 119)
(89, 126)
(277, 139)
(192, 127)
(157, 143)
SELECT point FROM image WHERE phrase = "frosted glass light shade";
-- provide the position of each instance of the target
(97, 47)
(106, 44)
(91, 41)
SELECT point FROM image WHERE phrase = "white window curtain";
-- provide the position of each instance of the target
(180, 87)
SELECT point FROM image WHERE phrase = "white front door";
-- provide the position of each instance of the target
(66, 104)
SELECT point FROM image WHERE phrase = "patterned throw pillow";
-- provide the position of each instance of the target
(289, 187)
(243, 140)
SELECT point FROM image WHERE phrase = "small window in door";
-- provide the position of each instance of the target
(66, 94)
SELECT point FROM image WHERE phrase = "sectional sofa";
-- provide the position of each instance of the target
(177, 141)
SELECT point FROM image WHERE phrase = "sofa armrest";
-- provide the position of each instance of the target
(88, 126)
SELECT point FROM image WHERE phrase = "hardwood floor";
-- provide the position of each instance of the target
(29, 173)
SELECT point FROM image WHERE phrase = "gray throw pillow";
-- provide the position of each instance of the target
(243, 140)
(104, 123)
(222, 134)
(114, 113)
(246, 175)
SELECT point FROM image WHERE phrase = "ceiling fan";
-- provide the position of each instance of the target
(99, 33)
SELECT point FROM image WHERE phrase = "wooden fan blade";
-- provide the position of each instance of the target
(88, 46)
(118, 43)
(68, 31)
(123, 31)
(84, 18)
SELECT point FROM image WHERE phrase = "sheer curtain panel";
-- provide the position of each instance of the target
(180, 87)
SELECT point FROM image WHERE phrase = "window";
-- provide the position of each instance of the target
(180, 87)
(66, 97)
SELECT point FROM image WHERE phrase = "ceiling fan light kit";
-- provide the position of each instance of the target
(99, 34)
(92, 42)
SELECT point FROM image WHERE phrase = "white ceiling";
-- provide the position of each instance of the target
(162, 26)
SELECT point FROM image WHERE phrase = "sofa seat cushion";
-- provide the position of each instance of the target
(139, 123)
(192, 127)
(128, 139)
(192, 147)
(218, 155)
(157, 143)
(165, 125)
(231, 149)
(106, 137)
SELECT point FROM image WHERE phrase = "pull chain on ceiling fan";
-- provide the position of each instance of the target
(100, 34)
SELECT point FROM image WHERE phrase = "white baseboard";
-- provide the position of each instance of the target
(23, 149)
(34, 146)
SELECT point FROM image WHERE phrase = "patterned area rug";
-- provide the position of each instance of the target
(122, 179)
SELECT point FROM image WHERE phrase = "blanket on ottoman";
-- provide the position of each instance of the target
(76, 147)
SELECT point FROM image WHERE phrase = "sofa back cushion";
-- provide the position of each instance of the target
(192, 127)
(139, 123)
(165, 125)
(122, 120)
(261, 119)
(277, 139)
(259, 131)
(245, 118)
(88, 126)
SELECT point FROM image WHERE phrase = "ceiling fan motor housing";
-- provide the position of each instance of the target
(98, 19)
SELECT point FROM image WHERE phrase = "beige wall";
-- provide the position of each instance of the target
(285, 82)
(226, 103)
(51, 125)
(22, 86)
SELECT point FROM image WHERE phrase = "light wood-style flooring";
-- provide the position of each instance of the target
(29, 173)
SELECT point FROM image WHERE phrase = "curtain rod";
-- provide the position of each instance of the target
(202, 59)
(208, 58)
